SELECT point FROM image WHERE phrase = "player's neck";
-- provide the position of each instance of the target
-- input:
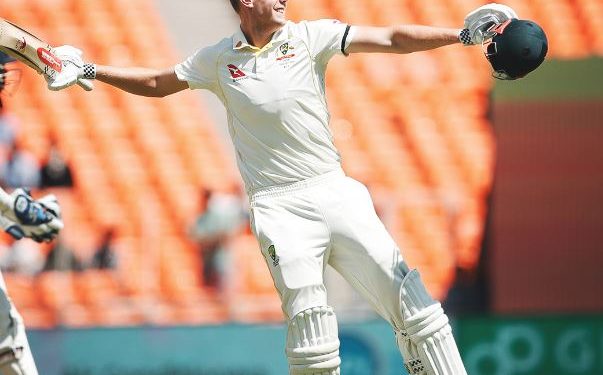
(258, 35)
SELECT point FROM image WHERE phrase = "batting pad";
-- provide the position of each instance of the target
(313, 343)
(426, 342)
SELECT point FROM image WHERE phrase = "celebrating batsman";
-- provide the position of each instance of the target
(305, 212)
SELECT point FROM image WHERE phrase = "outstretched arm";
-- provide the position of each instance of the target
(138, 81)
(141, 81)
(402, 39)
(414, 38)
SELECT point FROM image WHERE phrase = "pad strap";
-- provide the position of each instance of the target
(426, 340)
(313, 343)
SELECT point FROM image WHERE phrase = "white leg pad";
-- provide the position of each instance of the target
(313, 343)
(426, 342)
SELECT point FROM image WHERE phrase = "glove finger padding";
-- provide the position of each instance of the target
(72, 69)
(67, 77)
(38, 220)
(50, 203)
(43, 233)
(27, 211)
(481, 21)
(11, 228)
(500, 11)
(69, 53)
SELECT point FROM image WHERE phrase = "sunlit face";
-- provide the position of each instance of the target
(270, 12)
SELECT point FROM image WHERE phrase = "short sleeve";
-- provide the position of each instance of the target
(199, 69)
(328, 37)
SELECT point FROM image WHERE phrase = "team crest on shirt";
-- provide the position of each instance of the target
(273, 256)
(283, 52)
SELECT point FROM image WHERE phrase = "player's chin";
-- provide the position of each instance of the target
(279, 17)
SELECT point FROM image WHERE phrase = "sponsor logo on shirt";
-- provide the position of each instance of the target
(235, 72)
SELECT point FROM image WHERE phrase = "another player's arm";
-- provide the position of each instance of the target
(401, 39)
(141, 81)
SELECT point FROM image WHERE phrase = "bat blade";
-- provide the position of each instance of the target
(33, 51)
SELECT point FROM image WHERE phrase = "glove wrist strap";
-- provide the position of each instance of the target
(465, 37)
(89, 71)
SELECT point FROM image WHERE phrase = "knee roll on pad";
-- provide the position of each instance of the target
(426, 341)
(313, 343)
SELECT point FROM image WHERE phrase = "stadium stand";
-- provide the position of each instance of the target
(417, 131)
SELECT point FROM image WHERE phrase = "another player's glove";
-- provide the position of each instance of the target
(480, 22)
(73, 70)
(39, 220)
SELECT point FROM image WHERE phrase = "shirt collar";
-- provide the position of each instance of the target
(239, 41)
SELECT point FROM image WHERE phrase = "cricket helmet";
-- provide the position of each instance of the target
(517, 48)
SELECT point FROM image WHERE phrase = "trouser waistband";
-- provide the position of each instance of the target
(285, 189)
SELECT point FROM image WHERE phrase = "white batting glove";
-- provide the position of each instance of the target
(480, 22)
(74, 69)
(39, 220)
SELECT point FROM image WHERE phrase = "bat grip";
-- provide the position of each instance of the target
(85, 84)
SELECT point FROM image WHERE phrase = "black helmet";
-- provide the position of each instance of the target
(517, 48)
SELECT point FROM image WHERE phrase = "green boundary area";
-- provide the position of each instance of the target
(556, 80)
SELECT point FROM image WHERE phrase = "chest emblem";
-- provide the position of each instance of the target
(284, 50)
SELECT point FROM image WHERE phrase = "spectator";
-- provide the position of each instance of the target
(7, 135)
(62, 258)
(20, 169)
(222, 216)
(104, 257)
(56, 171)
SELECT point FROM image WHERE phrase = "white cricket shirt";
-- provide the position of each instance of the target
(275, 99)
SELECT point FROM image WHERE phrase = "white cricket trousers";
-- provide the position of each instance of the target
(15, 354)
(329, 219)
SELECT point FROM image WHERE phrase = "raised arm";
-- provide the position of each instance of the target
(141, 81)
(414, 38)
(401, 39)
(138, 81)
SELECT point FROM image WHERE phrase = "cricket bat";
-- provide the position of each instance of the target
(31, 50)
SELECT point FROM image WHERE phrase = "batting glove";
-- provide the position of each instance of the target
(39, 220)
(73, 71)
(480, 22)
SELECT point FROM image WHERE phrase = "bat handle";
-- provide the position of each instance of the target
(85, 84)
